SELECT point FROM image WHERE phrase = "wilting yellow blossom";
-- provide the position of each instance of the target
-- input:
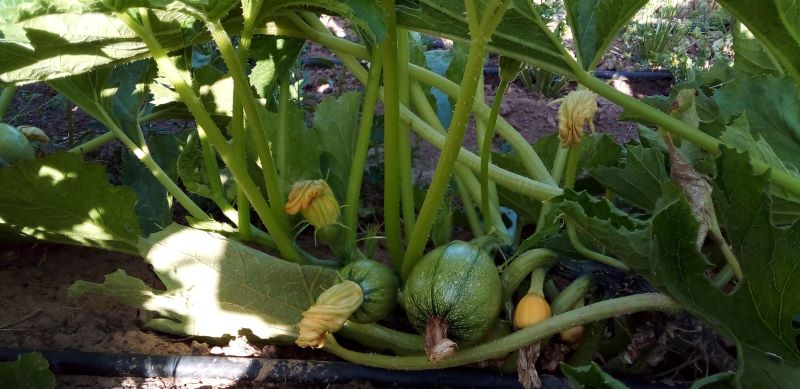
(315, 200)
(332, 308)
(577, 108)
(34, 134)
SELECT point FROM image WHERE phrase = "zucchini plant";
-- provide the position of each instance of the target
(704, 205)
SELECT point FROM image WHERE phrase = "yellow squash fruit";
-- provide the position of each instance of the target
(532, 309)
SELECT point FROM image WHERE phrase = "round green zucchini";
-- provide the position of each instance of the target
(379, 285)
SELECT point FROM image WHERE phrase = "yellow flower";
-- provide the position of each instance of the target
(332, 308)
(577, 108)
(315, 200)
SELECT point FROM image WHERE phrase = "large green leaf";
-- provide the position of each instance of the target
(61, 198)
(216, 287)
(639, 181)
(773, 111)
(522, 34)
(595, 23)
(336, 122)
(29, 371)
(43, 40)
(758, 314)
(771, 22)
(59, 44)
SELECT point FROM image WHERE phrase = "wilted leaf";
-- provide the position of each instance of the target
(61, 198)
(759, 313)
(216, 287)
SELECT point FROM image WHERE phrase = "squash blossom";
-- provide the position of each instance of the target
(315, 200)
(577, 108)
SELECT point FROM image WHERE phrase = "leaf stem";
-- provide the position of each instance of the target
(455, 135)
(356, 177)
(404, 134)
(486, 146)
(591, 254)
(500, 347)
(391, 138)
(93, 144)
(206, 123)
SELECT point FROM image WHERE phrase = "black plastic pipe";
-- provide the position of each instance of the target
(489, 70)
(288, 371)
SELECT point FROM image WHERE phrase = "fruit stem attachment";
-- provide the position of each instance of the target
(437, 346)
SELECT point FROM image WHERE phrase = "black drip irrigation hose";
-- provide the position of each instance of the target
(283, 371)
(490, 70)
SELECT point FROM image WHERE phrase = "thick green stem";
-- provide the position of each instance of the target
(391, 142)
(486, 146)
(455, 137)
(204, 121)
(404, 133)
(253, 115)
(519, 268)
(469, 207)
(511, 181)
(283, 123)
(559, 163)
(361, 150)
(237, 130)
(378, 337)
(467, 180)
(5, 99)
(94, 143)
(143, 155)
(214, 183)
(530, 160)
(591, 254)
(501, 347)
(573, 157)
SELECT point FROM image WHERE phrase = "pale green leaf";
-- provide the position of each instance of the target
(595, 23)
(61, 198)
(216, 287)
